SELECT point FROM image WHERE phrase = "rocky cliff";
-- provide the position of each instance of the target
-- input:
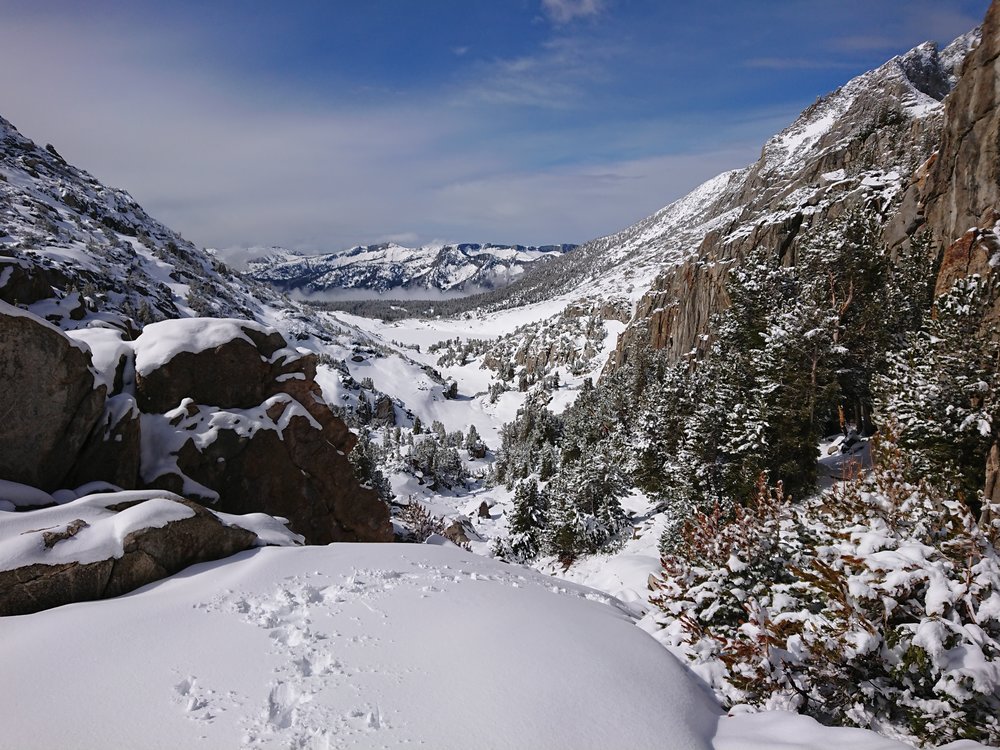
(963, 184)
(860, 145)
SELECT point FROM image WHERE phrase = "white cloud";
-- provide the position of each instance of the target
(564, 11)
(229, 164)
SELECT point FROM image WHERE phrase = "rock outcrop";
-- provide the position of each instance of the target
(50, 401)
(112, 450)
(961, 196)
(963, 186)
(250, 431)
(82, 558)
(234, 373)
(224, 412)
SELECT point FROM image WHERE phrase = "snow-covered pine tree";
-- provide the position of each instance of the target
(367, 458)
(527, 523)
(943, 391)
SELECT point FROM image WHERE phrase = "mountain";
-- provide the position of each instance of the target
(861, 145)
(74, 249)
(390, 269)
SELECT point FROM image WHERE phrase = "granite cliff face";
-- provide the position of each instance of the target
(861, 145)
(963, 184)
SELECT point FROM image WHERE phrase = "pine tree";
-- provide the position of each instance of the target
(365, 457)
(943, 391)
(528, 519)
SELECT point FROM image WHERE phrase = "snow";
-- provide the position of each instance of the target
(348, 646)
(101, 538)
(107, 349)
(16, 495)
(100, 530)
(774, 730)
(368, 646)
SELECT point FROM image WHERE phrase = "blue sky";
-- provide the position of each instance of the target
(318, 125)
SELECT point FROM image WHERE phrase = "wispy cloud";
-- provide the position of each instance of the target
(557, 76)
(796, 63)
(564, 11)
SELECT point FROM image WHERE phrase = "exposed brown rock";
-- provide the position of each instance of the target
(111, 452)
(49, 405)
(385, 411)
(234, 375)
(300, 473)
(963, 187)
(51, 538)
(967, 256)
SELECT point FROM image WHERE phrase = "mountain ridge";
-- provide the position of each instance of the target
(388, 268)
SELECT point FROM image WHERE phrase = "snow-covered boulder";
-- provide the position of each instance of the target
(108, 544)
(222, 362)
(51, 399)
(234, 418)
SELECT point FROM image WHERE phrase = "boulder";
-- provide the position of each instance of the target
(278, 460)
(270, 444)
(226, 363)
(80, 553)
(461, 532)
(385, 411)
(50, 403)
(22, 282)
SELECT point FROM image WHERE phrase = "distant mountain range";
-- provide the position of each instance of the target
(384, 269)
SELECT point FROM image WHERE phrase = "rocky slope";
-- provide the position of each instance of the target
(389, 269)
(860, 145)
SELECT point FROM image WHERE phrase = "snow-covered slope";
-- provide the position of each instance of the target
(365, 646)
(391, 269)
(74, 250)
(349, 646)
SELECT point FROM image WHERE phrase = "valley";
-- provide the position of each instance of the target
(728, 476)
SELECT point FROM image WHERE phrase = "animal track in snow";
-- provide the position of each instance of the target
(315, 622)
